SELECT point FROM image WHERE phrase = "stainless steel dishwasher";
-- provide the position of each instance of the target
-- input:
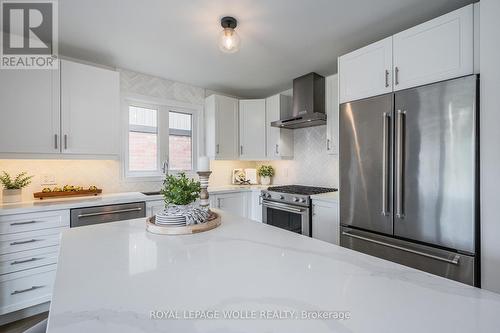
(104, 214)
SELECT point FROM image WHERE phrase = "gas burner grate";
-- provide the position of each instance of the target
(301, 189)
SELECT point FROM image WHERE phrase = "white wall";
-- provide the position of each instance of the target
(490, 143)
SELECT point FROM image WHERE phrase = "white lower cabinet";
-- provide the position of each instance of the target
(29, 250)
(255, 207)
(26, 288)
(325, 221)
(246, 203)
(154, 207)
(234, 202)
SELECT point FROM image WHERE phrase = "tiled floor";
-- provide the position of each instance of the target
(22, 325)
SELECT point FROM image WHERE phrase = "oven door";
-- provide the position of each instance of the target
(288, 217)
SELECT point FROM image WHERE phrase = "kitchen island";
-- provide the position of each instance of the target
(116, 277)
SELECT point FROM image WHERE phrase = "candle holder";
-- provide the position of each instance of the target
(204, 196)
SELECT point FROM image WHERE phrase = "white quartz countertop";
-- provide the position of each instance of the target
(104, 199)
(111, 276)
(327, 197)
(78, 202)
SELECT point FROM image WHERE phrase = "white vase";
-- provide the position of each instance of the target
(11, 196)
(264, 180)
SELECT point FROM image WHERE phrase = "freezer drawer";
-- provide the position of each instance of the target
(452, 265)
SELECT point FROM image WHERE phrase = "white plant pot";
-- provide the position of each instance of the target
(10, 196)
(265, 180)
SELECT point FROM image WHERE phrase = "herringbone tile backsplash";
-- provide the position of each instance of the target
(311, 165)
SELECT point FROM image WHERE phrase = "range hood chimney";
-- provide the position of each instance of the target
(308, 103)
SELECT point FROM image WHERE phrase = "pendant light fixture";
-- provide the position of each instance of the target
(229, 41)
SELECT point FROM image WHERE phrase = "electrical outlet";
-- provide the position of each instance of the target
(48, 179)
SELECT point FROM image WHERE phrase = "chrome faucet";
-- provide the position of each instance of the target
(164, 168)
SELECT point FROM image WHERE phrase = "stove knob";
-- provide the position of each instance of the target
(268, 195)
(295, 199)
(303, 200)
(282, 197)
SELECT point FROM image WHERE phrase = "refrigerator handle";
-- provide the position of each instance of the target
(385, 164)
(400, 159)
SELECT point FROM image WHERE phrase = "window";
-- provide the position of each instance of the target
(180, 141)
(143, 139)
(155, 134)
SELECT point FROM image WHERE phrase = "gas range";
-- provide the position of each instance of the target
(294, 194)
(289, 207)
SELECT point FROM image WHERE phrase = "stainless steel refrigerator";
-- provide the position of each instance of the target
(409, 178)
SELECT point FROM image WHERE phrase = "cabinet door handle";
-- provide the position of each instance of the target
(218, 203)
(17, 262)
(327, 144)
(217, 149)
(56, 141)
(22, 223)
(386, 78)
(277, 150)
(396, 75)
(15, 292)
(65, 141)
(25, 242)
(241, 150)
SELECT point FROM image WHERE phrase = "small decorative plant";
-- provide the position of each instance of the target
(266, 171)
(180, 190)
(13, 186)
(17, 183)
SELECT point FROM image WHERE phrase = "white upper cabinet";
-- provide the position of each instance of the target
(89, 109)
(252, 129)
(221, 119)
(29, 108)
(332, 114)
(366, 72)
(279, 140)
(436, 50)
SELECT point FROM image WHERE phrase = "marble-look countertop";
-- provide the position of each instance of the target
(104, 199)
(110, 277)
(326, 197)
(78, 202)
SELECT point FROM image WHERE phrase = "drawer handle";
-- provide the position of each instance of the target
(138, 209)
(22, 223)
(15, 292)
(25, 242)
(17, 262)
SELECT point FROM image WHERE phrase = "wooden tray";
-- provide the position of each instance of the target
(65, 194)
(213, 222)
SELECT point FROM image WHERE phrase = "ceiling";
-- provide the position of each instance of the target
(280, 39)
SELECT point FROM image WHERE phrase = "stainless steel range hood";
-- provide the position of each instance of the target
(308, 103)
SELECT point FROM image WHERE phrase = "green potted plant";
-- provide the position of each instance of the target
(12, 191)
(266, 172)
(180, 190)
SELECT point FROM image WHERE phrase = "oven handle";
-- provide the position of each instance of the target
(283, 207)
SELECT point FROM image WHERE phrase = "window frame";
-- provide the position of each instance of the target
(163, 108)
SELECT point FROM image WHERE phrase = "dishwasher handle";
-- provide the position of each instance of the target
(118, 211)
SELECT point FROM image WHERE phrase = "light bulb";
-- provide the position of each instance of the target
(229, 41)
